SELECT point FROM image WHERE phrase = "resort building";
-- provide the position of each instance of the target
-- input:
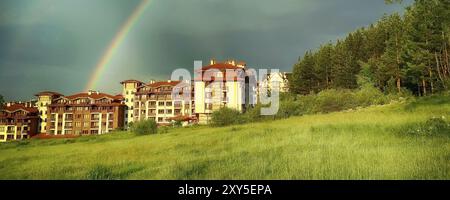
(44, 99)
(18, 121)
(129, 90)
(281, 78)
(85, 113)
(154, 101)
(221, 84)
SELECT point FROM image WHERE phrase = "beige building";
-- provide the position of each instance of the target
(18, 121)
(219, 85)
(87, 113)
(154, 101)
(129, 89)
(281, 78)
(44, 99)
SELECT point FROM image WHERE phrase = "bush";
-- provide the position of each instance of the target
(433, 126)
(253, 114)
(369, 95)
(145, 127)
(288, 108)
(333, 100)
(177, 123)
(226, 116)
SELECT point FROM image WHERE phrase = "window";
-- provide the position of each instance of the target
(160, 111)
(160, 103)
(168, 103)
(169, 111)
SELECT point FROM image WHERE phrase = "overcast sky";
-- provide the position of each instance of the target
(55, 44)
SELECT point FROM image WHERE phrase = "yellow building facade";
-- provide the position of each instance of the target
(129, 89)
(43, 100)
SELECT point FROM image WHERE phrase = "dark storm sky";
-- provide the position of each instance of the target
(55, 44)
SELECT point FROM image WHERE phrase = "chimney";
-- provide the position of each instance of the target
(169, 81)
(212, 61)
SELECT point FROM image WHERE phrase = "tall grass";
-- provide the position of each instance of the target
(369, 143)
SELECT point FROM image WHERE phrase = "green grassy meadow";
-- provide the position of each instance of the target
(370, 143)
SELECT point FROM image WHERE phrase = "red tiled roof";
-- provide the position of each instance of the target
(16, 107)
(85, 104)
(93, 95)
(131, 81)
(48, 93)
(163, 83)
(220, 66)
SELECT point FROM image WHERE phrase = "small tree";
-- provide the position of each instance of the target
(145, 127)
(226, 116)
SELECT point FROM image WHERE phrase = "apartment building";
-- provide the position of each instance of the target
(218, 85)
(43, 100)
(18, 121)
(281, 78)
(154, 101)
(85, 113)
(129, 89)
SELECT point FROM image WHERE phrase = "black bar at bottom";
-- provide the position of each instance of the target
(225, 189)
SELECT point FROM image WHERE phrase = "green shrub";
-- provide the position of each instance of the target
(226, 116)
(288, 108)
(333, 100)
(433, 126)
(368, 95)
(145, 127)
(177, 123)
(253, 114)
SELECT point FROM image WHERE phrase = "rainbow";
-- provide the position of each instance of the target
(115, 44)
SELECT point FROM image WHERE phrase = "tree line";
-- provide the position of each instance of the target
(399, 53)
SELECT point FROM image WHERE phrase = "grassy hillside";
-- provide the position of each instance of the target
(380, 142)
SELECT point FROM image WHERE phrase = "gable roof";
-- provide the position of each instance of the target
(131, 81)
(48, 93)
(17, 107)
(94, 95)
(163, 83)
(220, 66)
